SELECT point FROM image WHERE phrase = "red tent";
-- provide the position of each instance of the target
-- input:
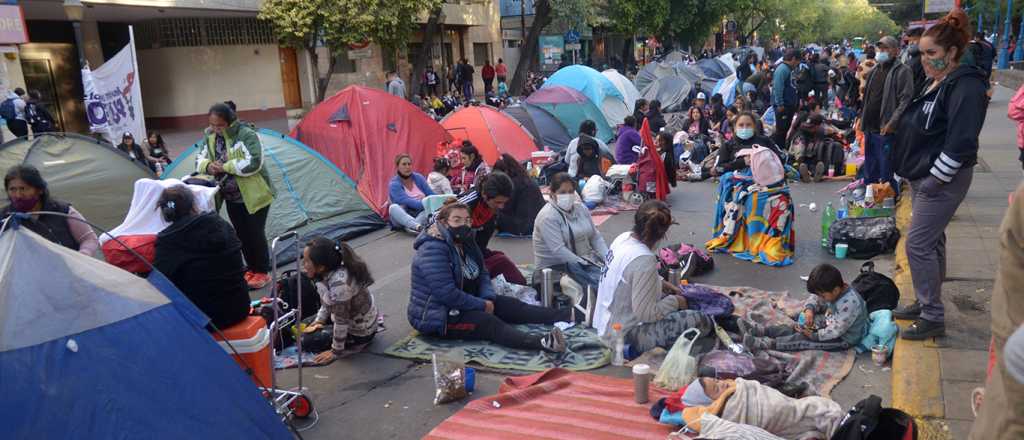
(491, 131)
(361, 130)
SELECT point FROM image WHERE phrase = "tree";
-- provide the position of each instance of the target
(691, 21)
(335, 24)
(637, 17)
(528, 51)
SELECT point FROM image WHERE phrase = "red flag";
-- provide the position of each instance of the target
(660, 176)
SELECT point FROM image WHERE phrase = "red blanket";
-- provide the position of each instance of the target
(557, 404)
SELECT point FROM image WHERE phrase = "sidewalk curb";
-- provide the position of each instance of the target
(916, 369)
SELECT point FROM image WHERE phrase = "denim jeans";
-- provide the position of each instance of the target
(401, 219)
(585, 274)
(876, 158)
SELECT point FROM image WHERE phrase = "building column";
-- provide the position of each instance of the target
(91, 41)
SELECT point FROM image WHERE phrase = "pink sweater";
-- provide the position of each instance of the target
(88, 244)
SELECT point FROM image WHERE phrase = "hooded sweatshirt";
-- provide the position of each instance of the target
(628, 138)
(938, 133)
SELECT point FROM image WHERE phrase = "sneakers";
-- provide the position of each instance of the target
(749, 328)
(256, 281)
(805, 173)
(554, 341)
(910, 311)
(819, 171)
(755, 343)
(923, 329)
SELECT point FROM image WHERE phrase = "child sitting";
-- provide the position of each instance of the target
(343, 281)
(834, 318)
(438, 179)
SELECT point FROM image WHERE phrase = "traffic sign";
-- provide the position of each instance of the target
(573, 36)
(573, 46)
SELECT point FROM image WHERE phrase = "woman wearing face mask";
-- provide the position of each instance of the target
(650, 310)
(747, 134)
(343, 282)
(936, 148)
(231, 152)
(565, 238)
(406, 191)
(452, 296)
(27, 192)
(201, 255)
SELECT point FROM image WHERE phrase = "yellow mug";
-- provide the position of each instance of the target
(851, 169)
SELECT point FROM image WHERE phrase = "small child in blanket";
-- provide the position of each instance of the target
(834, 318)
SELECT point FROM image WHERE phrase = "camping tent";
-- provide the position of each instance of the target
(596, 87)
(491, 131)
(312, 193)
(571, 108)
(629, 92)
(714, 69)
(546, 129)
(88, 350)
(362, 130)
(93, 176)
(652, 71)
(672, 91)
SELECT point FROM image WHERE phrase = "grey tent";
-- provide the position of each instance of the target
(653, 71)
(93, 176)
(671, 91)
(714, 69)
(542, 125)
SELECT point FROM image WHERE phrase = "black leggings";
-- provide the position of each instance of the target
(250, 229)
(499, 328)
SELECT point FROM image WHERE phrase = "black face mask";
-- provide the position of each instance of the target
(462, 233)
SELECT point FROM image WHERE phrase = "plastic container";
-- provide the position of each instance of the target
(851, 169)
(619, 358)
(827, 217)
(879, 354)
(251, 339)
(841, 250)
(641, 382)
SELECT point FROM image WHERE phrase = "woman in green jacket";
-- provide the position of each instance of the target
(233, 155)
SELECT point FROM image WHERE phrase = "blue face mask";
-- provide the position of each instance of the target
(882, 57)
(745, 133)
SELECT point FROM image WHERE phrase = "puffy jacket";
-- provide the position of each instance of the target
(1016, 113)
(938, 133)
(437, 281)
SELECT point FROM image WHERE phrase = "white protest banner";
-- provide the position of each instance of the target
(113, 96)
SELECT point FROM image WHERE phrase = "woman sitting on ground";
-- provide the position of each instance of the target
(587, 159)
(452, 296)
(565, 238)
(696, 124)
(343, 282)
(517, 216)
(747, 134)
(654, 117)
(650, 310)
(406, 192)
(133, 150)
(668, 158)
(438, 178)
(202, 256)
(28, 193)
(473, 169)
(491, 195)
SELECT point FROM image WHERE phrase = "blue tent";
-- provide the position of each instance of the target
(571, 108)
(88, 350)
(544, 127)
(596, 87)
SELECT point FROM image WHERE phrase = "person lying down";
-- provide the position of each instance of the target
(750, 403)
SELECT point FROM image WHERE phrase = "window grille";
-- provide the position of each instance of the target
(193, 32)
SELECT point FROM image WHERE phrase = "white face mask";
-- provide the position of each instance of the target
(565, 201)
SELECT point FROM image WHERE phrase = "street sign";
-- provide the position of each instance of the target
(573, 46)
(360, 54)
(573, 36)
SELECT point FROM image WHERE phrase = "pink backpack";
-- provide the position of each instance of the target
(766, 166)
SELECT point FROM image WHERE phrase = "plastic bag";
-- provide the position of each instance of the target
(525, 294)
(679, 367)
(449, 379)
(595, 189)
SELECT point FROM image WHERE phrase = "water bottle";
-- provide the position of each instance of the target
(827, 217)
(843, 207)
(620, 346)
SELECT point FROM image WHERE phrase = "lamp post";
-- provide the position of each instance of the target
(1004, 47)
(980, 22)
(75, 12)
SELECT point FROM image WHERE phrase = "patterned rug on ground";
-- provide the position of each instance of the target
(586, 352)
(822, 370)
(557, 404)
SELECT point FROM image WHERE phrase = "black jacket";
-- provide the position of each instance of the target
(202, 257)
(519, 213)
(938, 133)
(656, 120)
(727, 159)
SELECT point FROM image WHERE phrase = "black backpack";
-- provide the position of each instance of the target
(879, 291)
(7, 110)
(866, 237)
(288, 289)
(867, 420)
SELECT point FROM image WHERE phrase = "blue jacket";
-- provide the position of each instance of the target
(437, 281)
(396, 192)
(783, 91)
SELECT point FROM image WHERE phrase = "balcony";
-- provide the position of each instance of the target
(464, 13)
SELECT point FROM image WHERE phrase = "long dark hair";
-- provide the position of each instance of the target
(467, 149)
(509, 165)
(176, 203)
(651, 221)
(224, 111)
(31, 176)
(159, 139)
(496, 184)
(335, 255)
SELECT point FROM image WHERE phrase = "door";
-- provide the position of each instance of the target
(290, 78)
(39, 76)
(52, 69)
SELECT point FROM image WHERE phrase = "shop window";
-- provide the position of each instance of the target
(342, 64)
(481, 53)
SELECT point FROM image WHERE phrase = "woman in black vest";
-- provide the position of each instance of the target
(28, 193)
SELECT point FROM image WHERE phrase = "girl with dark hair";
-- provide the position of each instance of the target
(202, 256)
(452, 296)
(132, 149)
(651, 311)
(747, 133)
(491, 195)
(655, 118)
(232, 153)
(438, 179)
(406, 192)
(640, 109)
(667, 151)
(473, 168)
(696, 124)
(342, 281)
(936, 148)
(588, 159)
(626, 139)
(564, 236)
(157, 149)
(28, 193)
(516, 218)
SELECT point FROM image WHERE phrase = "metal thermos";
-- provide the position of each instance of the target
(547, 289)
(675, 275)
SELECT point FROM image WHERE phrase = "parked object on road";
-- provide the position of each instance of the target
(867, 420)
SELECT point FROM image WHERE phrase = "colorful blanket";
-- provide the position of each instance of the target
(557, 404)
(753, 223)
(586, 352)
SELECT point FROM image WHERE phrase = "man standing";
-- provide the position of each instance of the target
(501, 70)
(487, 73)
(430, 81)
(13, 111)
(912, 58)
(395, 85)
(467, 80)
(888, 90)
(784, 96)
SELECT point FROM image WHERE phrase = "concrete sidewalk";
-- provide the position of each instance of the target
(933, 379)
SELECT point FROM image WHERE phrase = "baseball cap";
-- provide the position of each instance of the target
(701, 95)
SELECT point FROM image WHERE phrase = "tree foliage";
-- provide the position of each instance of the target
(638, 17)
